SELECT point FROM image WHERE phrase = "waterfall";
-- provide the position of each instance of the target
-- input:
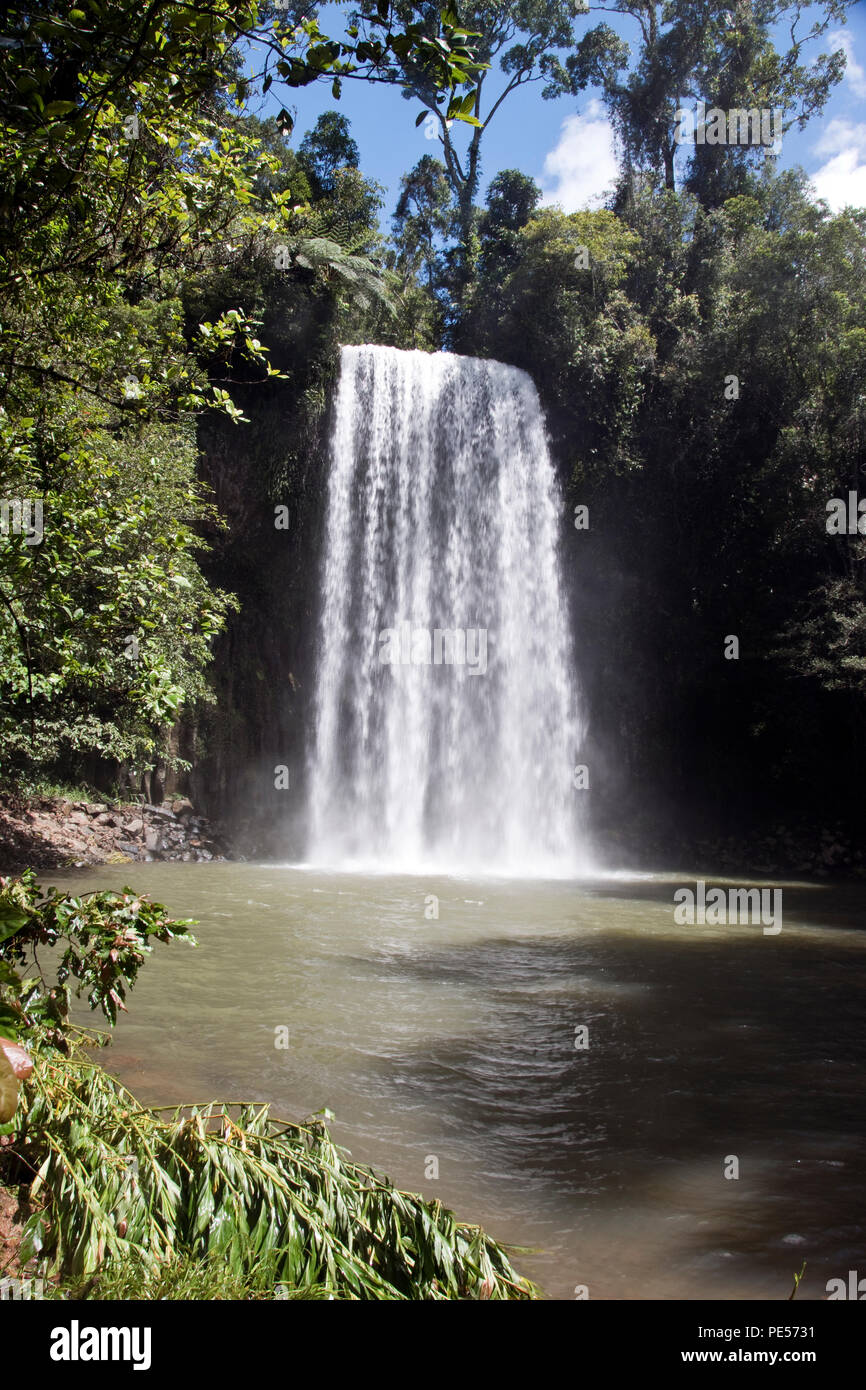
(446, 723)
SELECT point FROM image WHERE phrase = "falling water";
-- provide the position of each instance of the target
(446, 730)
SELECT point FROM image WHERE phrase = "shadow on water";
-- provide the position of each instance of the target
(697, 1053)
(840, 905)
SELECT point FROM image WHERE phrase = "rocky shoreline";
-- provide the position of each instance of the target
(44, 832)
(51, 832)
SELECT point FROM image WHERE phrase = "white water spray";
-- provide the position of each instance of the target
(447, 731)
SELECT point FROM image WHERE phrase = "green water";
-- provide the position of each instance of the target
(451, 1043)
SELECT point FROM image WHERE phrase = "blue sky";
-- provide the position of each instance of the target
(566, 145)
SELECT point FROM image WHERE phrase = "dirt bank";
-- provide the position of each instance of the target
(53, 833)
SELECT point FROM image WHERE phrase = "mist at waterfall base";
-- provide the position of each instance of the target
(447, 725)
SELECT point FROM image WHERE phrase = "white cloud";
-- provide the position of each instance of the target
(580, 168)
(839, 135)
(854, 73)
(841, 180)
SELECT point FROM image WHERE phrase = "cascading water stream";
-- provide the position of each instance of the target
(447, 729)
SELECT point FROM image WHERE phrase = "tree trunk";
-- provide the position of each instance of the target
(670, 181)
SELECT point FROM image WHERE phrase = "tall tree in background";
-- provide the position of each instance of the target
(423, 223)
(512, 199)
(325, 149)
(516, 38)
(701, 51)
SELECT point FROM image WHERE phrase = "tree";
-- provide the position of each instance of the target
(422, 220)
(700, 51)
(512, 199)
(125, 190)
(551, 298)
(422, 224)
(327, 148)
(107, 622)
(520, 34)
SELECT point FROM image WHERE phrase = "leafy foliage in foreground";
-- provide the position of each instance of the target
(176, 1193)
(103, 940)
(275, 1202)
(187, 1280)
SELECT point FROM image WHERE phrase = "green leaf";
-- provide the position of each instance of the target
(9, 1023)
(12, 919)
